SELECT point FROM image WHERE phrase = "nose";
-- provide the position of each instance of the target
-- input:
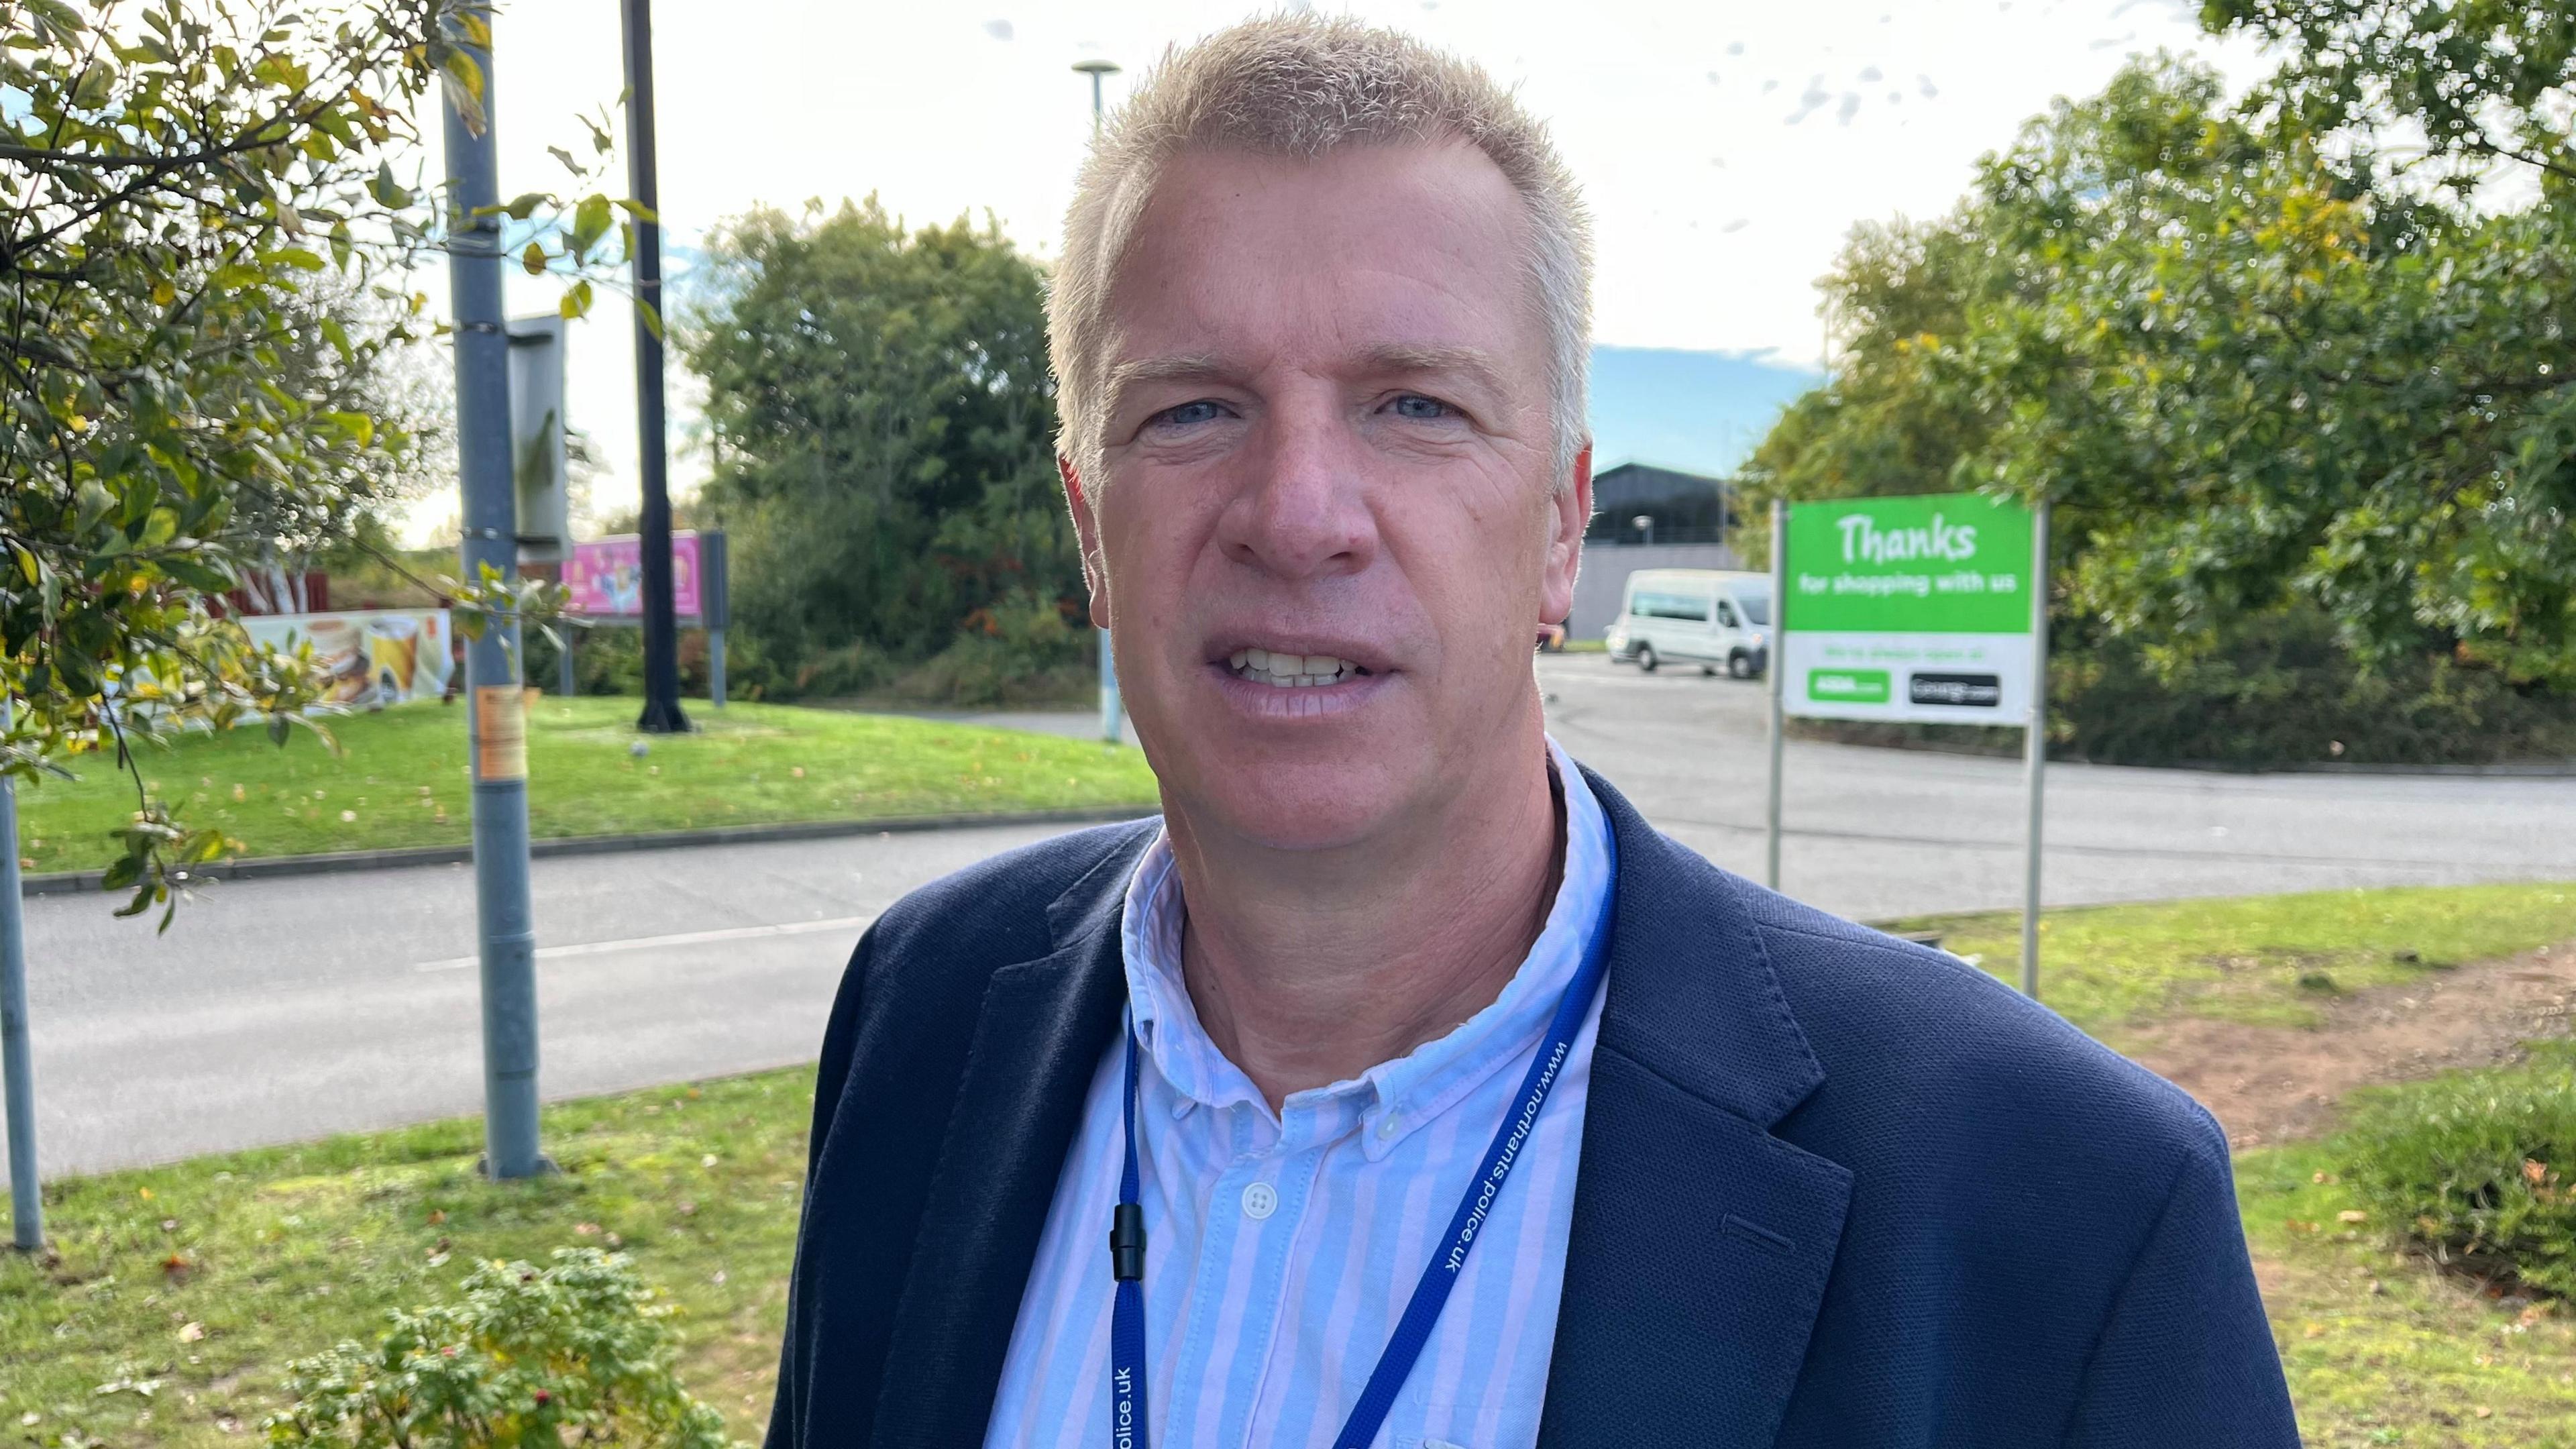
(1302, 509)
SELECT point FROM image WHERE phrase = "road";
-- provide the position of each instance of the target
(277, 1010)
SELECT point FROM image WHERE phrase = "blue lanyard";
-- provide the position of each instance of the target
(1413, 1330)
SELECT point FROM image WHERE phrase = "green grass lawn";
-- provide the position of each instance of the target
(201, 1279)
(181, 1292)
(401, 779)
(2262, 959)
(2381, 1347)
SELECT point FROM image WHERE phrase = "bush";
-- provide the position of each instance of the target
(1024, 651)
(2276, 690)
(576, 1352)
(2478, 1169)
(2280, 689)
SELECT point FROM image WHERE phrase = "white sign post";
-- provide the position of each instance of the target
(1929, 609)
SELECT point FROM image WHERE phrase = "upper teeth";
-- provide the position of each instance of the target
(1289, 671)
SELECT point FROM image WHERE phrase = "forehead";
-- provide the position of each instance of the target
(1262, 259)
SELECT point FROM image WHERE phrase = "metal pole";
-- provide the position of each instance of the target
(1776, 669)
(715, 668)
(1110, 707)
(498, 719)
(2035, 746)
(563, 662)
(662, 713)
(26, 1207)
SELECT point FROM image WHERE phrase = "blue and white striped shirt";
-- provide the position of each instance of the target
(1285, 1245)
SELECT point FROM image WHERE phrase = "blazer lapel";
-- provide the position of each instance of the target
(1044, 1026)
(1701, 1243)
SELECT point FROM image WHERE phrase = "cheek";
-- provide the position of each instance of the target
(1152, 534)
(1476, 563)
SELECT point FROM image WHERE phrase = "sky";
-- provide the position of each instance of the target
(1726, 148)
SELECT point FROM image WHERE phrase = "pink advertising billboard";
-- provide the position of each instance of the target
(606, 577)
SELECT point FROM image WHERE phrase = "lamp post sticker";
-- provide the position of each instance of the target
(1908, 609)
(500, 732)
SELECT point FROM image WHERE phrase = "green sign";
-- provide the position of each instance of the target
(1951, 563)
(1847, 686)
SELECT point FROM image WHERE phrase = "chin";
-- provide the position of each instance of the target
(1320, 802)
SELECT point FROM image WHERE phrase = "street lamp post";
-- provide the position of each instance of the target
(1109, 707)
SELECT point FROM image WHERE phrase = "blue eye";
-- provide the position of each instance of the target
(1205, 410)
(1415, 405)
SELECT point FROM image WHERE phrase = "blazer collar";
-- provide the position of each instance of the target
(1043, 1028)
(1701, 1244)
(1691, 990)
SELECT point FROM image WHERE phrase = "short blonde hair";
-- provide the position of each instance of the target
(1300, 85)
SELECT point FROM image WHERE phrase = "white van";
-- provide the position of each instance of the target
(1708, 617)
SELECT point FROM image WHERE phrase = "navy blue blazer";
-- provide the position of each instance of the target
(1836, 1190)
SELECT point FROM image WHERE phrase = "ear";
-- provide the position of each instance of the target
(1569, 512)
(1086, 532)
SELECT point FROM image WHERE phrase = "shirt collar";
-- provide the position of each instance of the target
(1392, 1097)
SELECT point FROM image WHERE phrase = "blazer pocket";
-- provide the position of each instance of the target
(1758, 1235)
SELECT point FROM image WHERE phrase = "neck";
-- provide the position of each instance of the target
(1310, 968)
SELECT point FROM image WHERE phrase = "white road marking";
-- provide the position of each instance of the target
(647, 943)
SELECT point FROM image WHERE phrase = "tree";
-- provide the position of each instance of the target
(884, 421)
(201, 231)
(2479, 81)
(2250, 372)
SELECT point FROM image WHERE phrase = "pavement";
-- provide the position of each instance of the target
(277, 1010)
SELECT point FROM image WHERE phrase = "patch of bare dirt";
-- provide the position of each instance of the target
(2274, 1083)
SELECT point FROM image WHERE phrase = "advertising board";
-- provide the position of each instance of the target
(606, 577)
(372, 659)
(1908, 609)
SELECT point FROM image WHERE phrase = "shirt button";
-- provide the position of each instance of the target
(1386, 1126)
(1259, 1201)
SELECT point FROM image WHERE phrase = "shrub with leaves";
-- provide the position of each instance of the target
(575, 1353)
(204, 281)
(2477, 1169)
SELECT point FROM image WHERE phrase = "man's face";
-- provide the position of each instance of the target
(1327, 522)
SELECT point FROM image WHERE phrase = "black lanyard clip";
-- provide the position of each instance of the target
(1127, 1242)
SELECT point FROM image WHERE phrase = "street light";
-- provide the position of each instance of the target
(1644, 523)
(1109, 707)
(1095, 69)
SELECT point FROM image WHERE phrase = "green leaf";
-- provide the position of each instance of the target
(59, 15)
(296, 257)
(589, 223)
(91, 501)
(196, 572)
(468, 76)
(534, 259)
(357, 425)
(576, 301)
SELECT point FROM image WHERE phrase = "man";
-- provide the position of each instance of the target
(1401, 1086)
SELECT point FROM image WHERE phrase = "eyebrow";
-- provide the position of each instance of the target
(1393, 357)
(1402, 357)
(1177, 367)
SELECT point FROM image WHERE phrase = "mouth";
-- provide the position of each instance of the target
(1280, 669)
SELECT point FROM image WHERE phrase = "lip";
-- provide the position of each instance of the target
(1313, 703)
